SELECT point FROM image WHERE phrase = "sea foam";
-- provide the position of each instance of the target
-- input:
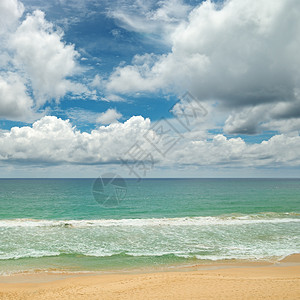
(232, 219)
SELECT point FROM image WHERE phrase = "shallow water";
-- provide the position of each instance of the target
(58, 224)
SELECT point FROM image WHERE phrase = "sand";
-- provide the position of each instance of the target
(226, 281)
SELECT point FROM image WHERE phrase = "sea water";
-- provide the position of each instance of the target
(60, 225)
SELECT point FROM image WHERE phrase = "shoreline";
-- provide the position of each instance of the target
(292, 259)
(203, 265)
(240, 280)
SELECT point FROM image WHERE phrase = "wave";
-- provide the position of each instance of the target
(230, 219)
(131, 261)
(164, 255)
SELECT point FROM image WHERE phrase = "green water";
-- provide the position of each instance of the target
(58, 224)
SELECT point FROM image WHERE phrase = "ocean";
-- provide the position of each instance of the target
(76, 225)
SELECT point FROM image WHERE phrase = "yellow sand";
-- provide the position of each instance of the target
(275, 281)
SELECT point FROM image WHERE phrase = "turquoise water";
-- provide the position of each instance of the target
(58, 224)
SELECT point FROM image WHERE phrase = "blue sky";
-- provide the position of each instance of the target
(103, 44)
(83, 81)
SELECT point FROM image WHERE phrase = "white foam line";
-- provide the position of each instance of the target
(192, 221)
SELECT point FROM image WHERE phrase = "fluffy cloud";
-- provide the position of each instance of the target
(35, 63)
(47, 60)
(54, 141)
(242, 54)
(15, 103)
(278, 151)
(10, 12)
(109, 116)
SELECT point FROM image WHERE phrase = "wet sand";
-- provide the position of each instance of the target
(213, 281)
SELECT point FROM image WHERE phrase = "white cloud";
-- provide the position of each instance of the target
(278, 151)
(44, 57)
(113, 98)
(142, 76)
(36, 64)
(109, 116)
(241, 53)
(283, 125)
(15, 103)
(158, 18)
(82, 116)
(10, 12)
(51, 140)
(54, 141)
(97, 81)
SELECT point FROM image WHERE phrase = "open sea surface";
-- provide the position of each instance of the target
(83, 225)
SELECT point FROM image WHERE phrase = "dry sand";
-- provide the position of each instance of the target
(228, 281)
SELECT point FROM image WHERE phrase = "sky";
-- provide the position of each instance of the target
(149, 88)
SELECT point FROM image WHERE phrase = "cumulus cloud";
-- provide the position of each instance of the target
(241, 53)
(51, 140)
(15, 103)
(47, 60)
(36, 64)
(278, 151)
(109, 116)
(10, 12)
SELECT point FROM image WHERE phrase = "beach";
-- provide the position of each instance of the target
(149, 149)
(232, 281)
(167, 239)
